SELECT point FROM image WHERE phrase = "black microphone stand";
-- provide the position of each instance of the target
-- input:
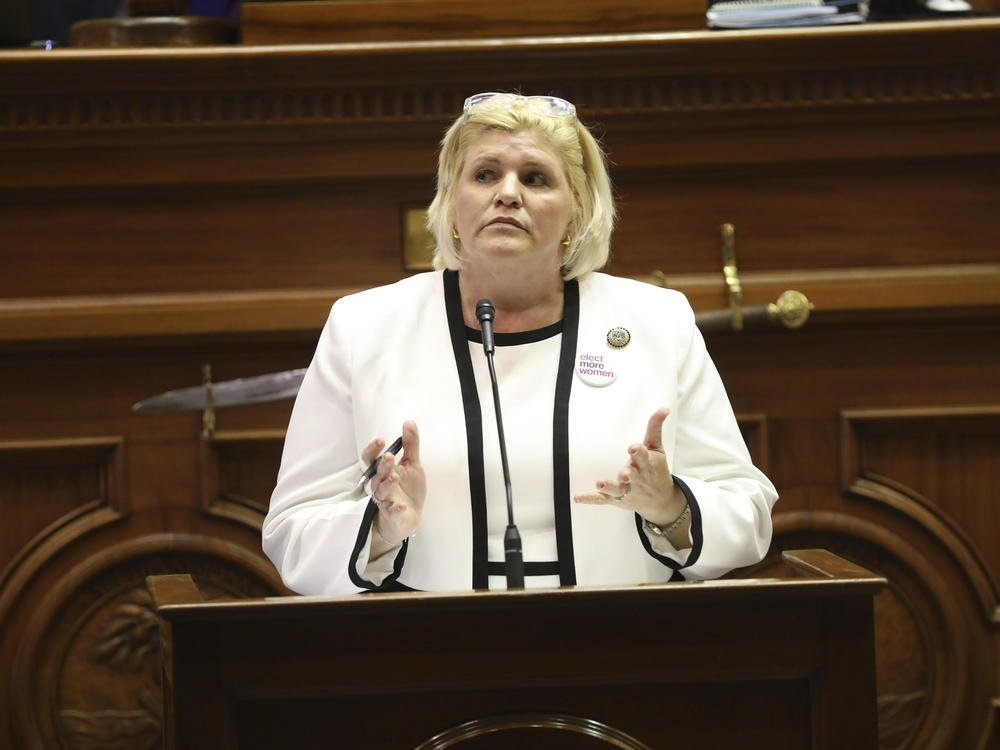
(513, 559)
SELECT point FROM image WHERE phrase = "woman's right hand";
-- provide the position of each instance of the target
(399, 488)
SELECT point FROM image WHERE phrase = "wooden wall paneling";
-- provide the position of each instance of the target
(53, 492)
(905, 491)
(818, 79)
(929, 670)
(86, 668)
(163, 209)
(754, 430)
(898, 457)
(351, 21)
(819, 215)
(235, 237)
(933, 466)
(746, 122)
(940, 293)
(239, 470)
(991, 737)
(89, 518)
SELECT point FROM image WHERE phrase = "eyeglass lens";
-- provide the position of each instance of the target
(546, 105)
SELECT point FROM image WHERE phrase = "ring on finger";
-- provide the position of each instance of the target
(628, 488)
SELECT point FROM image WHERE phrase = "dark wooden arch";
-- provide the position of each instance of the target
(542, 730)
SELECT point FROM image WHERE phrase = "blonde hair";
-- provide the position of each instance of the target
(593, 213)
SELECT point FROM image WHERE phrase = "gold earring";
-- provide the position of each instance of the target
(455, 234)
(566, 242)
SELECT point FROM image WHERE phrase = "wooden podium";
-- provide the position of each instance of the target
(765, 663)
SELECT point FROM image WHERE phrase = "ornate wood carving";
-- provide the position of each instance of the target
(878, 69)
(672, 94)
(936, 621)
(51, 493)
(88, 666)
(917, 671)
(892, 457)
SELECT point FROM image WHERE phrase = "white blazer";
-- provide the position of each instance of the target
(401, 352)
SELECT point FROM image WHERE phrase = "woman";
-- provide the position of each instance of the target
(626, 462)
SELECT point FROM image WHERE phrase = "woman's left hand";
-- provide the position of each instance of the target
(645, 484)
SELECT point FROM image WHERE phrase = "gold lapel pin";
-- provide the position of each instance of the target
(619, 337)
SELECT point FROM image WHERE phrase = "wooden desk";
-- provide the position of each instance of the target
(770, 663)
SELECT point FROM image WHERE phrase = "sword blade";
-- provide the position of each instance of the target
(271, 387)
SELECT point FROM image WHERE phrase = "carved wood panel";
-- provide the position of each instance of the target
(88, 667)
(54, 487)
(935, 466)
(904, 473)
(239, 470)
(93, 498)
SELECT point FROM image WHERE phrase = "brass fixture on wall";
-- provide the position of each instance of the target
(791, 309)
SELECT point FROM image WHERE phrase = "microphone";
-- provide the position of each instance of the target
(484, 313)
(513, 560)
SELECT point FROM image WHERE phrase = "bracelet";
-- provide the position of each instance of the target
(385, 539)
(378, 531)
(652, 527)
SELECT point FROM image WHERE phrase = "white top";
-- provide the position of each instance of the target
(528, 374)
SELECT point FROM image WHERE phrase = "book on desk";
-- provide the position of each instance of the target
(746, 14)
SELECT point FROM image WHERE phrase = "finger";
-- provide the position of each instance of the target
(639, 456)
(385, 466)
(617, 491)
(411, 441)
(614, 488)
(654, 430)
(371, 451)
(383, 490)
(606, 495)
(381, 476)
(592, 498)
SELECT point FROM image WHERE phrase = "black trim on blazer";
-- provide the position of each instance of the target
(515, 339)
(394, 586)
(473, 428)
(363, 533)
(530, 568)
(697, 534)
(560, 434)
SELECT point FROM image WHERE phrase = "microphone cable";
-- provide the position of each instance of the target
(513, 557)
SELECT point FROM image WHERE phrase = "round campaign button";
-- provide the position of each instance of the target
(597, 369)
